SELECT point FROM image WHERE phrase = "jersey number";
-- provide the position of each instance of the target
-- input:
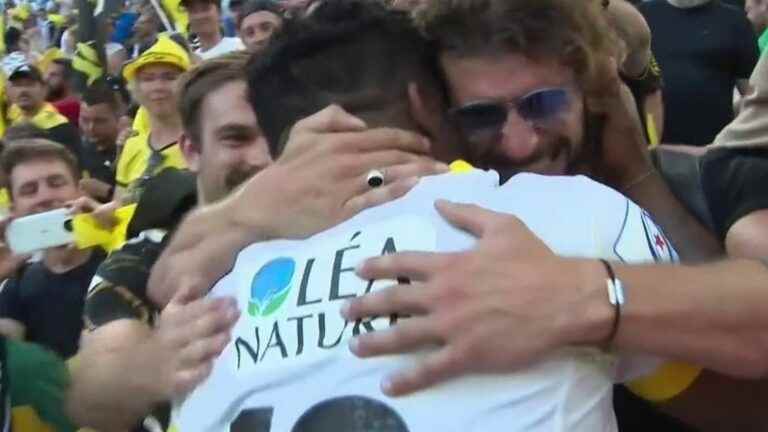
(342, 414)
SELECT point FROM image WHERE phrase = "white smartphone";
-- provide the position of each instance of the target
(41, 231)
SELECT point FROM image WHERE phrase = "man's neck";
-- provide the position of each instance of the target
(59, 95)
(209, 40)
(65, 94)
(63, 259)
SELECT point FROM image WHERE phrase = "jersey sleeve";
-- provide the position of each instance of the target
(119, 288)
(634, 237)
(639, 240)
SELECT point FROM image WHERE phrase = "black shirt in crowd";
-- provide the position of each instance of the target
(67, 135)
(50, 305)
(98, 163)
(703, 51)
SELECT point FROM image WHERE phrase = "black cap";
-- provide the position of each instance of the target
(26, 70)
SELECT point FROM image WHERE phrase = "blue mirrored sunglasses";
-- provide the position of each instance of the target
(486, 118)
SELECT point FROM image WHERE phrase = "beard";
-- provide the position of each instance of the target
(552, 158)
(55, 93)
(237, 176)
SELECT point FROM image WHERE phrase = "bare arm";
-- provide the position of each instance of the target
(625, 164)
(279, 203)
(113, 386)
(748, 237)
(712, 315)
(127, 368)
(693, 242)
(696, 323)
(676, 312)
(716, 402)
(209, 241)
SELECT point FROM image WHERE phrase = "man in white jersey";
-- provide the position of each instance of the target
(205, 22)
(288, 367)
(196, 262)
(223, 145)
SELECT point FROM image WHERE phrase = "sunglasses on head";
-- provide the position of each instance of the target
(487, 118)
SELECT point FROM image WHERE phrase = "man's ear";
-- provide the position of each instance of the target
(191, 152)
(428, 111)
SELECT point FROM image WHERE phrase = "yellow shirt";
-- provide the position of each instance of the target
(133, 165)
(2, 107)
(48, 117)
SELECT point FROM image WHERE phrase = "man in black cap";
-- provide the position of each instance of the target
(27, 91)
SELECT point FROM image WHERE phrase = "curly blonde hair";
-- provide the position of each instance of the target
(573, 31)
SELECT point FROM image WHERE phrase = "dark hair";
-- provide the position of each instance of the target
(26, 150)
(25, 130)
(573, 32)
(101, 93)
(12, 38)
(253, 6)
(345, 53)
(66, 65)
(117, 84)
(132, 110)
(202, 80)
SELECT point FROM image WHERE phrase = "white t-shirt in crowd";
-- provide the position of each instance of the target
(225, 45)
(288, 367)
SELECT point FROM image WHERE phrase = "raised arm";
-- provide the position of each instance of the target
(319, 181)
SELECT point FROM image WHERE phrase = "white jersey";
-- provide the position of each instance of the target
(289, 368)
(225, 45)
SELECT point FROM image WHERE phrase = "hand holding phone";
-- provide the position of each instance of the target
(40, 231)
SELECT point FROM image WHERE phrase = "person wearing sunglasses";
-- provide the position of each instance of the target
(544, 106)
(385, 91)
(578, 145)
(491, 88)
(483, 124)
